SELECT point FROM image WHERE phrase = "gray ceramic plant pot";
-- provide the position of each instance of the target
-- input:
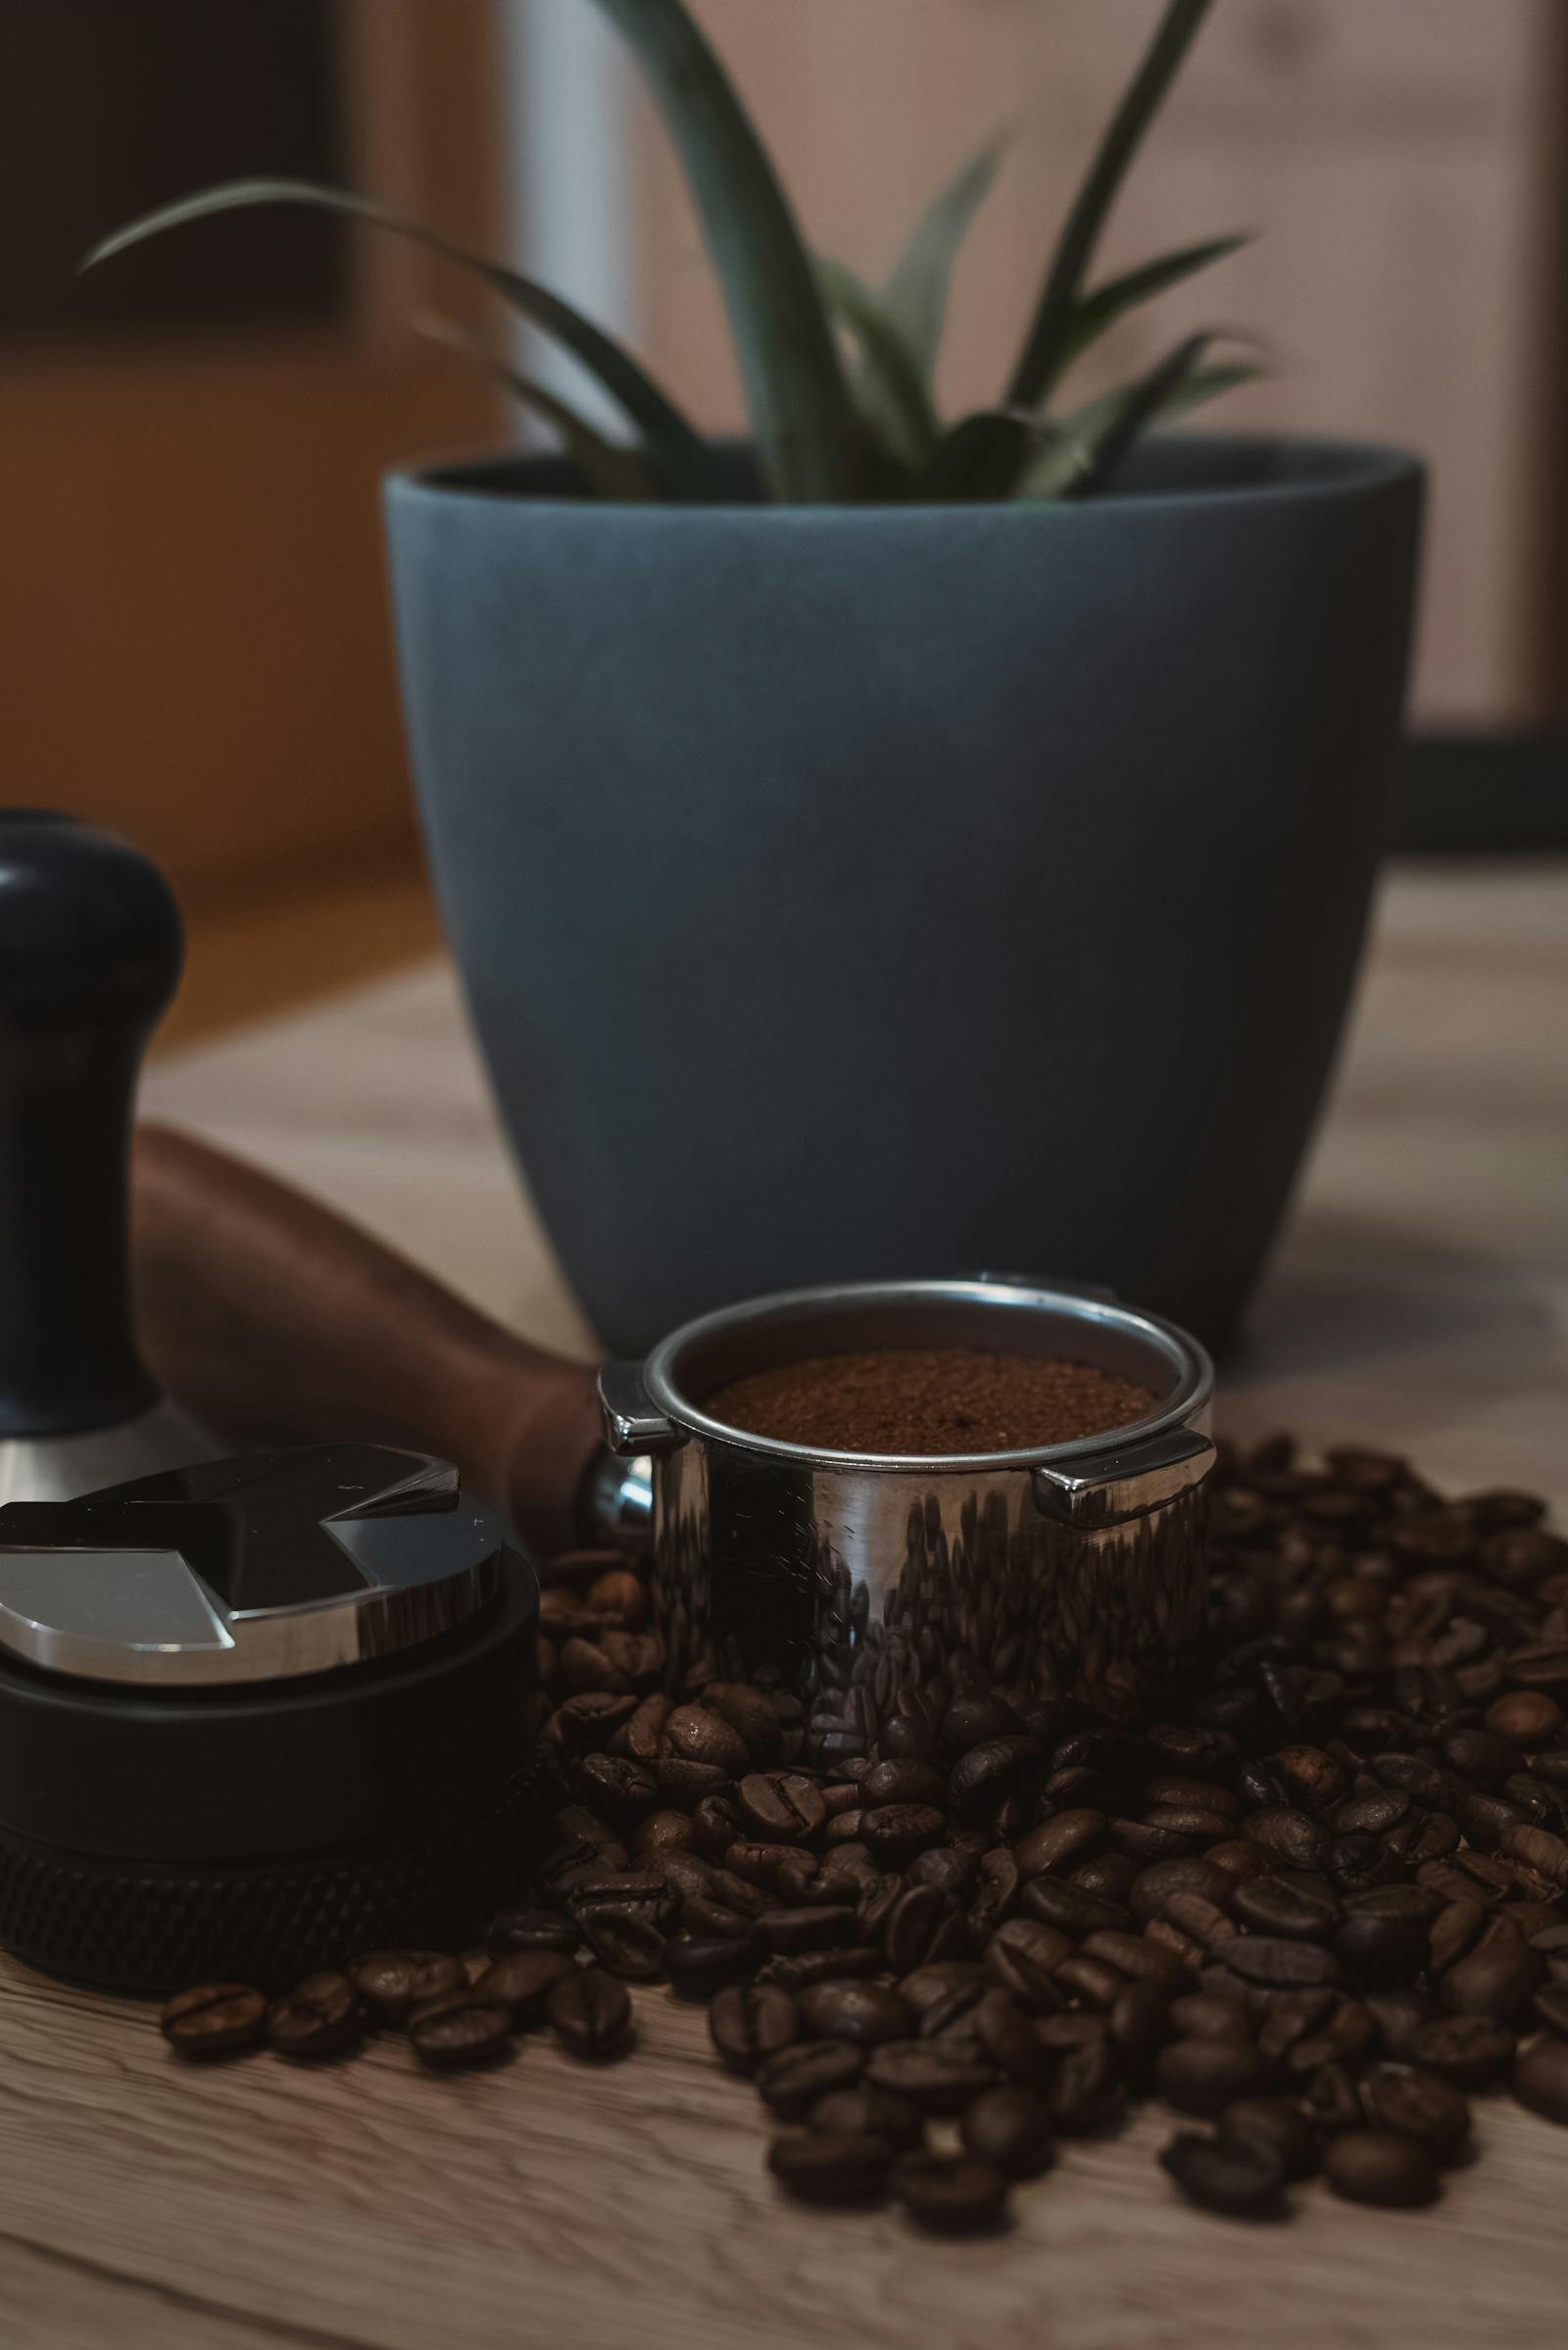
(849, 892)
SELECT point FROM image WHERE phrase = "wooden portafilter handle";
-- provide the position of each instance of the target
(277, 1321)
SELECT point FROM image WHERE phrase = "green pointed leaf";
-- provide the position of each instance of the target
(684, 459)
(981, 457)
(1083, 450)
(1038, 363)
(916, 295)
(613, 470)
(889, 385)
(796, 390)
(1099, 311)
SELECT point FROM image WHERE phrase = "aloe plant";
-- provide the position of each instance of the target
(838, 372)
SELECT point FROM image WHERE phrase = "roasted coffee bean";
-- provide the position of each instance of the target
(792, 2080)
(781, 1807)
(1295, 1838)
(450, 2034)
(952, 1872)
(392, 1983)
(1060, 1842)
(1022, 1956)
(696, 1733)
(1550, 2008)
(699, 1965)
(866, 2109)
(934, 2076)
(1545, 1854)
(816, 1927)
(953, 2018)
(1071, 1909)
(1343, 2038)
(1419, 2105)
(1529, 1717)
(1496, 1979)
(973, 1718)
(1139, 2021)
(1009, 2128)
(1201, 2077)
(749, 2023)
(863, 2013)
(1273, 1905)
(215, 2018)
(902, 1782)
(1239, 2177)
(1290, 2017)
(1380, 2166)
(623, 1942)
(1211, 2016)
(622, 1790)
(951, 2193)
(818, 2166)
(1153, 1887)
(995, 1893)
(1385, 1935)
(921, 1924)
(926, 1988)
(852, 1960)
(1281, 2126)
(1277, 1964)
(896, 1832)
(1192, 1925)
(1093, 1979)
(1539, 2078)
(520, 1982)
(1008, 2039)
(716, 1824)
(1238, 1860)
(524, 1929)
(746, 1710)
(686, 1784)
(992, 1771)
(591, 2014)
(1088, 2089)
(1397, 2014)
(1138, 1959)
(1468, 2050)
(1333, 2102)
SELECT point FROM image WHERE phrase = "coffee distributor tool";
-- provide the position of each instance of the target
(254, 1712)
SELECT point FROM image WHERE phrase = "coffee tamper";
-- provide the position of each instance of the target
(89, 954)
(259, 1715)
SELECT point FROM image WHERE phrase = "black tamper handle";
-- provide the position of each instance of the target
(91, 952)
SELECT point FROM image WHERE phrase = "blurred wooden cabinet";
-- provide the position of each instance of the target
(1399, 160)
(193, 632)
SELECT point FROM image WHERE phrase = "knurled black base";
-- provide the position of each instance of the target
(151, 1929)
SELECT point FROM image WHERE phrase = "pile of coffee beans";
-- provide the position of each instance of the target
(1315, 1900)
(930, 1399)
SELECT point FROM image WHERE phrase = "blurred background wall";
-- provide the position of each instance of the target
(192, 614)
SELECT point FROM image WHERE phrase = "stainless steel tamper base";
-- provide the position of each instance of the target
(58, 1468)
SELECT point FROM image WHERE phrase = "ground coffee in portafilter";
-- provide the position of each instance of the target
(1314, 1900)
(926, 1401)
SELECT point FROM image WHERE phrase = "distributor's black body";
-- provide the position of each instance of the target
(153, 1833)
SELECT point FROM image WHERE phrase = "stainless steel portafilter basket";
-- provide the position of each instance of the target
(861, 1577)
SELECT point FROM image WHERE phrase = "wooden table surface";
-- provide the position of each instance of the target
(1421, 1299)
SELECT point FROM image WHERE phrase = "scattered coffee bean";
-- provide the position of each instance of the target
(866, 2014)
(935, 2076)
(750, 2023)
(950, 2192)
(839, 2165)
(792, 2080)
(1241, 2177)
(1418, 2105)
(866, 2109)
(1381, 2166)
(321, 2018)
(456, 2033)
(1201, 2077)
(1470, 2052)
(215, 2019)
(392, 1983)
(1539, 2078)
(1281, 2125)
(520, 1982)
(591, 2014)
(1009, 2128)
